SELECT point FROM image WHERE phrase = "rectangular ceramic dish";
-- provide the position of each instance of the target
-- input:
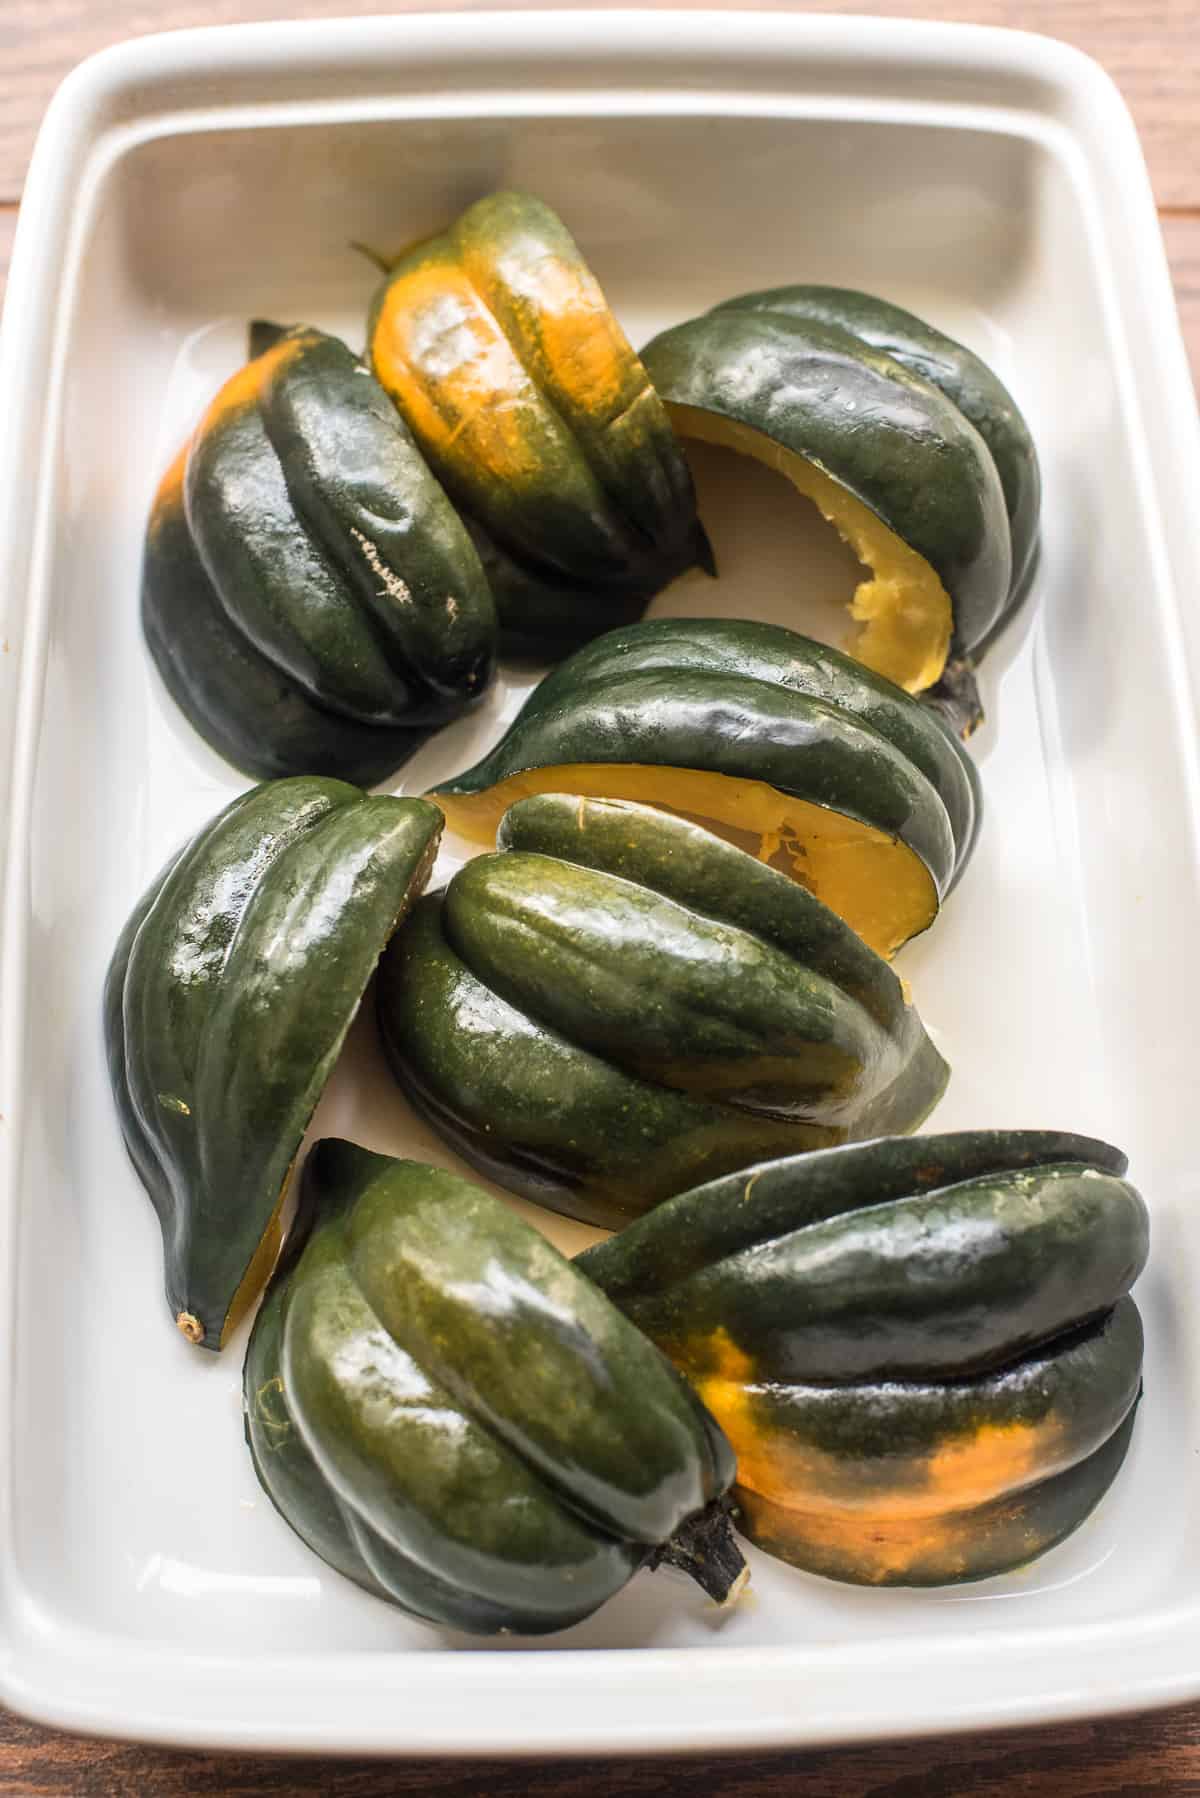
(185, 184)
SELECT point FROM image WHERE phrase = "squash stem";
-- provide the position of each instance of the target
(705, 1548)
(263, 335)
(705, 555)
(955, 698)
(378, 260)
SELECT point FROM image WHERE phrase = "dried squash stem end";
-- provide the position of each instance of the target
(705, 1548)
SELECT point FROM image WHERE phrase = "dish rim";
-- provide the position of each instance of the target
(611, 1701)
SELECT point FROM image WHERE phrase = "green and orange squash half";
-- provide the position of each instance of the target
(922, 1349)
(227, 1001)
(499, 349)
(619, 1005)
(905, 441)
(448, 1413)
(310, 596)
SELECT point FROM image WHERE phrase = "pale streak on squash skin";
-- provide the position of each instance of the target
(393, 587)
(577, 338)
(478, 398)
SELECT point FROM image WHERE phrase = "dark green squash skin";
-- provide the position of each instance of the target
(962, 376)
(544, 618)
(309, 595)
(241, 704)
(699, 1229)
(535, 1113)
(227, 1001)
(882, 431)
(622, 999)
(447, 1413)
(777, 657)
(611, 516)
(690, 866)
(942, 1284)
(875, 1304)
(286, 1470)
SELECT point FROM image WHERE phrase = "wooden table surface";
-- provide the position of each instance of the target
(1152, 47)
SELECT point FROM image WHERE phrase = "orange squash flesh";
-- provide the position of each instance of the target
(879, 886)
(902, 613)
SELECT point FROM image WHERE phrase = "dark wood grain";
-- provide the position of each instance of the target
(1129, 1758)
(1153, 50)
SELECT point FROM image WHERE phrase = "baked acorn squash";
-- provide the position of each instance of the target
(962, 376)
(448, 1413)
(922, 1349)
(227, 1000)
(790, 749)
(309, 595)
(499, 349)
(885, 455)
(621, 1004)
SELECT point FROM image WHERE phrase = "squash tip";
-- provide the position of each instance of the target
(706, 1549)
(191, 1327)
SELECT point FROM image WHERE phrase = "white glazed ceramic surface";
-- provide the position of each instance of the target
(182, 185)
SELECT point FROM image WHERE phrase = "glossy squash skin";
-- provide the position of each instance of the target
(499, 350)
(891, 461)
(788, 748)
(309, 595)
(922, 1349)
(226, 1003)
(964, 378)
(620, 1004)
(449, 1414)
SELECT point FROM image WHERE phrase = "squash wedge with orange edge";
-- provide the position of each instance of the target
(310, 597)
(922, 1348)
(896, 433)
(228, 997)
(789, 749)
(963, 377)
(502, 356)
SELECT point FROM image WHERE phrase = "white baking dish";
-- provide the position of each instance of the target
(183, 184)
